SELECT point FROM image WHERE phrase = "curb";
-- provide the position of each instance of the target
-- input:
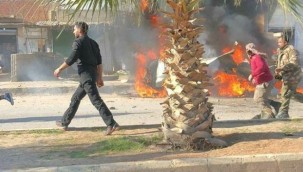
(262, 162)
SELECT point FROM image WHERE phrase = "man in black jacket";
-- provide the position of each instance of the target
(86, 54)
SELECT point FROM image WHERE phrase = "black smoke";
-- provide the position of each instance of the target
(226, 23)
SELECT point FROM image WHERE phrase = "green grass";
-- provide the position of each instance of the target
(116, 145)
(42, 131)
(297, 120)
(289, 131)
(78, 154)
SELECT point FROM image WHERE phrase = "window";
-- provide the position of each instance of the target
(36, 39)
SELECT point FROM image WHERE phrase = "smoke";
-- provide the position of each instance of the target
(226, 24)
(122, 40)
(240, 28)
(34, 67)
(223, 28)
(129, 34)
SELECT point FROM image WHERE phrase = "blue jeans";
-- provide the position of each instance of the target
(88, 86)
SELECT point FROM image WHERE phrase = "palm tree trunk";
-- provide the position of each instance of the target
(187, 116)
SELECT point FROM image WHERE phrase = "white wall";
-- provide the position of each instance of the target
(281, 20)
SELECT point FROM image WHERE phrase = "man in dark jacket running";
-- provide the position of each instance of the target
(86, 54)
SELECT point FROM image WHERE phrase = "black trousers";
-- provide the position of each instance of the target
(88, 86)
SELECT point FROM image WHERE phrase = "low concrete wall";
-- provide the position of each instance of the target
(33, 67)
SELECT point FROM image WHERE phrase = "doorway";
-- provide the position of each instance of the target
(8, 46)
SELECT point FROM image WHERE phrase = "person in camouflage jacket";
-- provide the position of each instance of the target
(289, 71)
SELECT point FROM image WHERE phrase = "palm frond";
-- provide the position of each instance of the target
(292, 7)
(78, 6)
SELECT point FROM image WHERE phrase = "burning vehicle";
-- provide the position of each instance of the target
(228, 66)
(229, 81)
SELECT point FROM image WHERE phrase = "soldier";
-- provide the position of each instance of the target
(263, 79)
(289, 71)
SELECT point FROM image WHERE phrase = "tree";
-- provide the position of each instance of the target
(187, 115)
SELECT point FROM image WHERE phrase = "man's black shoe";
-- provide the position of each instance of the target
(282, 115)
(59, 124)
(111, 129)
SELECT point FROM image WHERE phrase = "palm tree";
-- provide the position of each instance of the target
(187, 115)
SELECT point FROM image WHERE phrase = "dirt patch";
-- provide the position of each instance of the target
(27, 149)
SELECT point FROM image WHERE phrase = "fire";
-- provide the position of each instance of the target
(143, 78)
(143, 5)
(231, 85)
(300, 90)
(238, 55)
(278, 86)
(154, 20)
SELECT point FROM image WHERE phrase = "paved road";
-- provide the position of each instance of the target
(31, 112)
(34, 111)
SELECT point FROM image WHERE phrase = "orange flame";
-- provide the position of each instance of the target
(143, 78)
(141, 86)
(154, 20)
(238, 55)
(143, 5)
(278, 86)
(231, 85)
(300, 90)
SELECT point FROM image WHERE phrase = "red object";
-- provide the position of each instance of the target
(260, 70)
(28, 11)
